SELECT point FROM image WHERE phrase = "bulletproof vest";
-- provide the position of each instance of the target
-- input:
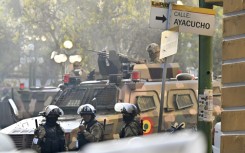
(90, 124)
(7, 115)
(54, 140)
(139, 129)
(81, 139)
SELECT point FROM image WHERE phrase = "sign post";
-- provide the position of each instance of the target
(205, 81)
(167, 37)
(193, 19)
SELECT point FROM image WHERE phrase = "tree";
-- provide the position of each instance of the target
(91, 25)
(9, 45)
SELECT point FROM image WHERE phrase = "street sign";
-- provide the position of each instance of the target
(193, 19)
(158, 17)
(169, 43)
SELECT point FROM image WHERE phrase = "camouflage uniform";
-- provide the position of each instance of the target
(50, 139)
(131, 129)
(90, 130)
(132, 126)
(154, 52)
(93, 133)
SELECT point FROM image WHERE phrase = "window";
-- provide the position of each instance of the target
(146, 103)
(183, 101)
(180, 99)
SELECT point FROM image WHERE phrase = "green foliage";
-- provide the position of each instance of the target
(217, 42)
(121, 25)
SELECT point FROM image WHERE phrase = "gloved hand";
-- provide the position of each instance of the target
(82, 128)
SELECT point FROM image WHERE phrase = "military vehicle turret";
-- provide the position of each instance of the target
(125, 81)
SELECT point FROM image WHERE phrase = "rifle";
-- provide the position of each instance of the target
(123, 58)
(36, 133)
(36, 123)
(104, 124)
(115, 63)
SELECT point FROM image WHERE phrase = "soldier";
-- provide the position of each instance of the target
(90, 130)
(131, 127)
(50, 137)
(154, 52)
(76, 72)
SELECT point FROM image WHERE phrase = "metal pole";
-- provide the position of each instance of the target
(164, 74)
(205, 78)
(164, 71)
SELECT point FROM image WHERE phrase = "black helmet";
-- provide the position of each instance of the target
(86, 109)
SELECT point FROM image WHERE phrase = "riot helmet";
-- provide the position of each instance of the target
(52, 110)
(128, 110)
(51, 113)
(86, 109)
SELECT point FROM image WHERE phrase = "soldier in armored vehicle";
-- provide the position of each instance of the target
(153, 50)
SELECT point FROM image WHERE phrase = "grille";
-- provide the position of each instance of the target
(102, 96)
(72, 97)
(106, 96)
(22, 141)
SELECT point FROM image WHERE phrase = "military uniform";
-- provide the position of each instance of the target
(49, 139)
(153, 50)
(132, 126)
(89, 131)
(131, 129)
(93, 133)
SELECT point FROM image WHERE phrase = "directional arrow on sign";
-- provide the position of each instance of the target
(159, 11)
(163, 18)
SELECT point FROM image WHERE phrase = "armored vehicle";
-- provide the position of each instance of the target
(9, 104)
(135, 83)
(34, 99)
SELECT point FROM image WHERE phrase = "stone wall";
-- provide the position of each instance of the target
(233, 77)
